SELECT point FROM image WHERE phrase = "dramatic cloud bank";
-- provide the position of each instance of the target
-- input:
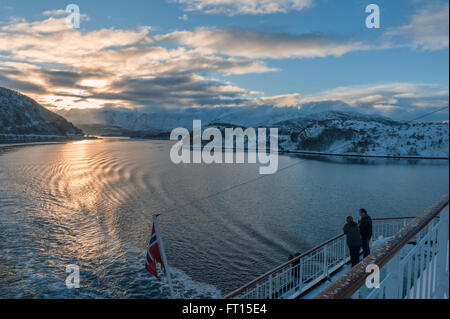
(69, 68)
(66, 68)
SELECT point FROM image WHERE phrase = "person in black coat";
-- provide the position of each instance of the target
(365, 229)
(353, 239)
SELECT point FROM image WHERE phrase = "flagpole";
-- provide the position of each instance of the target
(163, 253)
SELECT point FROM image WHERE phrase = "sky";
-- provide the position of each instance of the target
(229, 53)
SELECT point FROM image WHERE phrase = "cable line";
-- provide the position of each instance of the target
(226, 190)
(428, 114)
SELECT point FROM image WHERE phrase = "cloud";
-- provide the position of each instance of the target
(129, 52)
(284, 100)
(253, 7)
(52, 41)
(385, 107)
(58, 12)
(175, 90)
(252, 44)
(131, 68)
(427, 29)
(73, 68)
(50, 25)
(389, 93)
(396, 100)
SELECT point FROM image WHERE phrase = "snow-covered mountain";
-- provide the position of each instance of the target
(299, 129)
(354, 133)
(22, 117)
(158, 121)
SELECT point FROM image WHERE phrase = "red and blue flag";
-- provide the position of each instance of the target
(153, 255)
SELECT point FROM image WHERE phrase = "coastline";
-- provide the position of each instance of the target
(330, 154)
(364, 155)
(7, 145)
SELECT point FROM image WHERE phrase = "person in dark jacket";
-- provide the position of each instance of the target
(353, 239)
(365, 229)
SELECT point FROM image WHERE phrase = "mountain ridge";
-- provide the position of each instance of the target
(330, 131)
(22, 116)
(375, 136)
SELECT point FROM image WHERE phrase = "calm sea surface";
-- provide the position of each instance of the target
(90, 203)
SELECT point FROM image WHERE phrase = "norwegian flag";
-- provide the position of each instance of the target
(153, 255)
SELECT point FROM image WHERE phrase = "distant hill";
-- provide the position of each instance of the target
(23, 118)
(354, 133)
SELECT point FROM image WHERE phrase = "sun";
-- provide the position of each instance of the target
(94, 83)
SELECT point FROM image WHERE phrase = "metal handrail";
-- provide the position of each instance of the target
(290, 262)
(349, 283)
(297, 259)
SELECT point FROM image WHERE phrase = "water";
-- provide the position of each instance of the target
(90, 203)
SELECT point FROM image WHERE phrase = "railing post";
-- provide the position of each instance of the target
(270, 287)
(300, 276)
(325, 264)
(442, 256)
(394, 269)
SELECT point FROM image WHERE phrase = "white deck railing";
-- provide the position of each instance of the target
(419, 270)
(297, 276)
(414, 263)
